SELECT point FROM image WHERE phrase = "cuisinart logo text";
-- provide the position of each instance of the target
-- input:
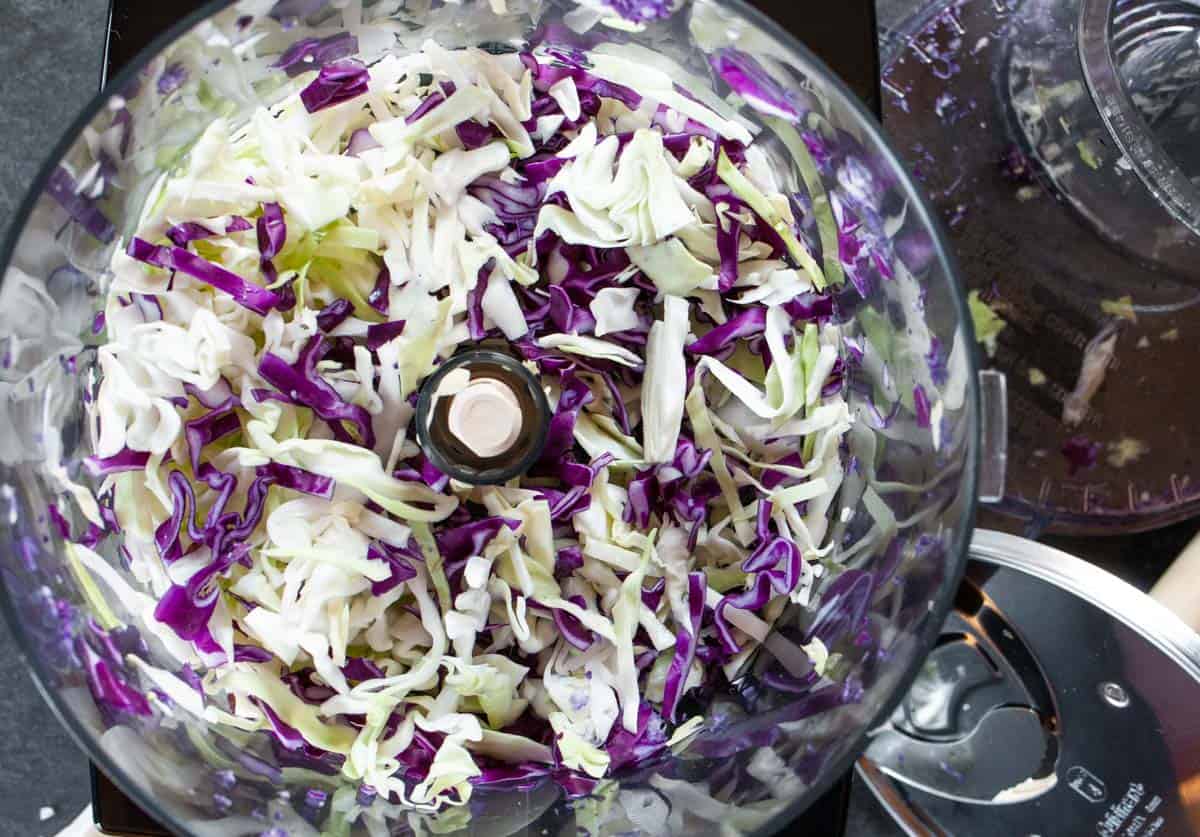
(1119, 812)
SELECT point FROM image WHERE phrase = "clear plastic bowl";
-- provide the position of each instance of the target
(763, 755)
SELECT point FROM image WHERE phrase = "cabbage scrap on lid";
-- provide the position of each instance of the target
(267, 328)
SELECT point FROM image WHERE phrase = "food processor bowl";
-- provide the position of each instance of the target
(900, 525)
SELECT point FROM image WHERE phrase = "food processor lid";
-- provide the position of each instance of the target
(1010, 730)
(1058, 232)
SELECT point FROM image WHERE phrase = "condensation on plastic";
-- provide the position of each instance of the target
(763, 755)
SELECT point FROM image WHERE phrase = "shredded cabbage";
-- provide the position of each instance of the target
(673, 269)
(988, 324)
(614, 310)
(292, 287)
(664, 381)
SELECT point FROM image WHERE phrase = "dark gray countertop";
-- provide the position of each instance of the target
(51, 61)
(51, 64)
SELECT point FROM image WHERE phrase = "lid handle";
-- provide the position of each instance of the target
(993, 452)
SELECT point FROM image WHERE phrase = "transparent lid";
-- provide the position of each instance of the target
(1092, 279)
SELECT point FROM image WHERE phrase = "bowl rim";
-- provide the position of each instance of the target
(871, 128)
(1155, 168)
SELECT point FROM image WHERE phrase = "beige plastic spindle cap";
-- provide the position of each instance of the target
(486, 416)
